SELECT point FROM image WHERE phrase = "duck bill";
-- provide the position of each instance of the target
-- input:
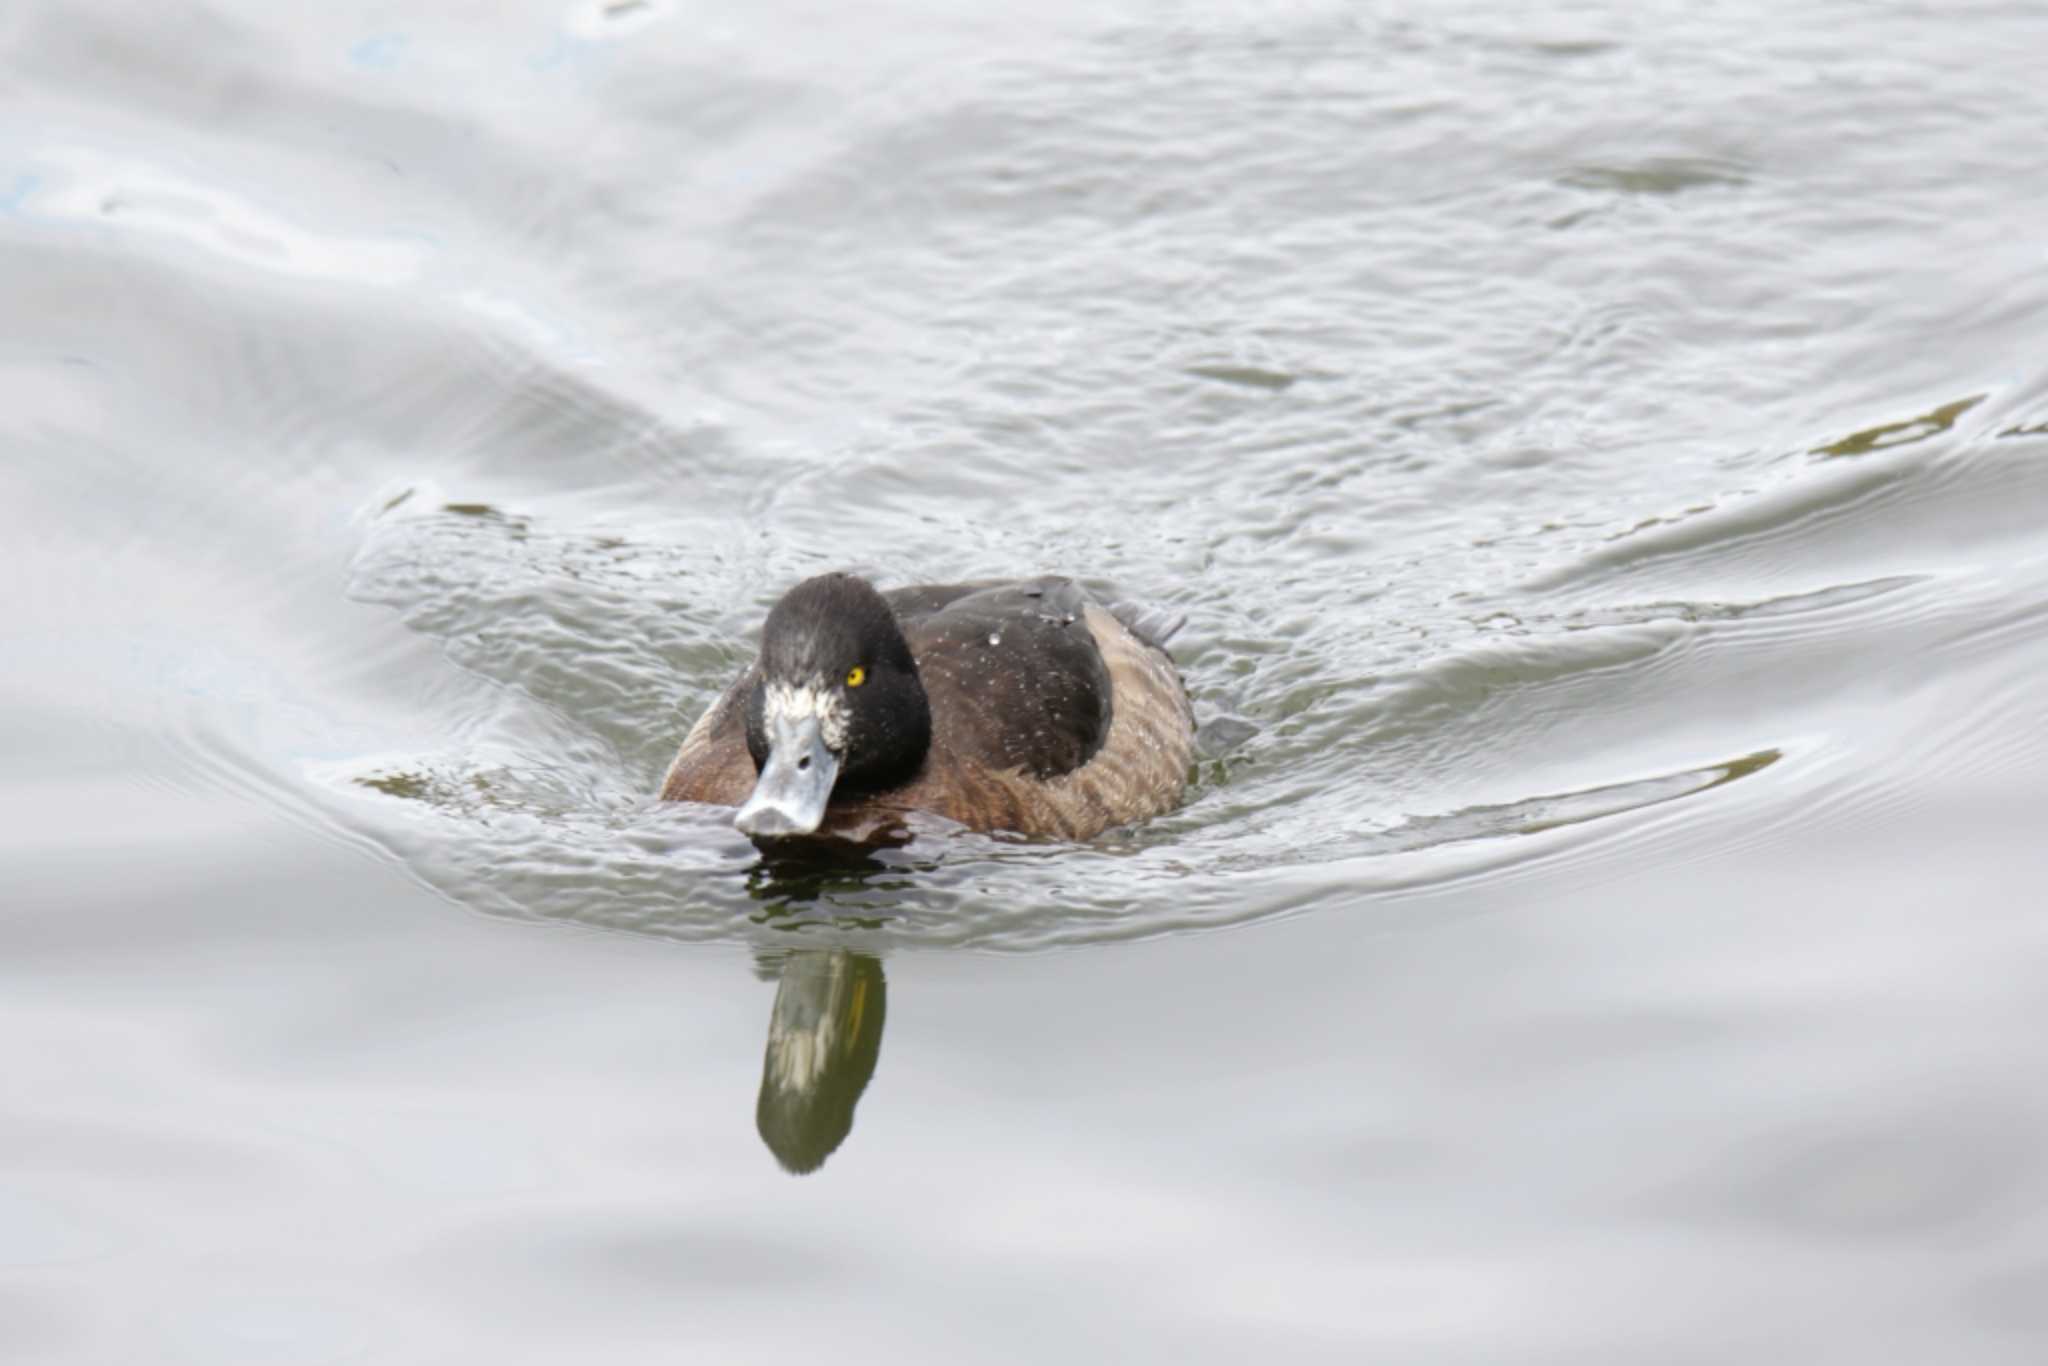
(789, 797)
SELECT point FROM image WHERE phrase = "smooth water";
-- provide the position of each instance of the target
(1602, 456)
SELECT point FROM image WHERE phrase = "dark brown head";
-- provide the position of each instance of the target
(839, 709)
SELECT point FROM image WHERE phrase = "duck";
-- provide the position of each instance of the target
(1021, 705)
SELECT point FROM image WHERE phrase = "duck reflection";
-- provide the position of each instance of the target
(824, 1038)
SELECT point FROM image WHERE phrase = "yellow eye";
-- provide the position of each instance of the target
(856, 676)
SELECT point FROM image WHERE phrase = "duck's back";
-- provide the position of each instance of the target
(1049, 716)
(1014, 677)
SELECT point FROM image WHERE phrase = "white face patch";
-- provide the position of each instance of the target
(797, 702)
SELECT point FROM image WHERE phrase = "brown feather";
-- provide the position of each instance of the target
(713, 765)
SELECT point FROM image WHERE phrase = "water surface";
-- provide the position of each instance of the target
(1602, 458)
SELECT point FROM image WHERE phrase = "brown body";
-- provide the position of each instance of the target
(979, 769)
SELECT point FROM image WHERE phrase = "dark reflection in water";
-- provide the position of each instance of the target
(825, 1033)
(824, 1038)
(791, 874)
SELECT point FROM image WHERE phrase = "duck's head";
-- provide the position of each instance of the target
(838, 708)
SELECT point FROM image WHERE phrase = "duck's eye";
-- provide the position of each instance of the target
(856, 676)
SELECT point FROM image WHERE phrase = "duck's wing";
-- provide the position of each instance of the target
(1134, 766)
(713, 765)
(1015, 677)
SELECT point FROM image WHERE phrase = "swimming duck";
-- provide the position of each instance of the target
(1019, 705)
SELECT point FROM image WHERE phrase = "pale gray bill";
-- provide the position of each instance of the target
(790, 795)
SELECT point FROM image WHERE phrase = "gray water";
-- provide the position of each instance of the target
(1601, 453)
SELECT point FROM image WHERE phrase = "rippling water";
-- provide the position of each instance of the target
(1602, 457)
